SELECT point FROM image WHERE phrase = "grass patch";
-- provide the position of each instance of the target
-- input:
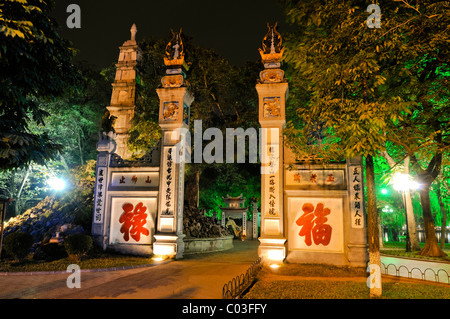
(105, 260)
(329, 289)
(279, 284)
(307, 289)
(399, 250)
(316, 270)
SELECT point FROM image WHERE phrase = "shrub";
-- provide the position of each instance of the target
(50, 252)
(78, 245)
(18, 244)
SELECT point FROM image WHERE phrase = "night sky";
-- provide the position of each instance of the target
(234, 28)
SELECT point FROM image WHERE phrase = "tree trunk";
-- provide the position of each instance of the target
(380, 230)
(80, 146)
(12, 190)
(412, 230)
(19, 192)
(431, 248)
(372, 228)
(410, 220)
(426, 178)
(192, 189)
(64, 163)
(444, 216)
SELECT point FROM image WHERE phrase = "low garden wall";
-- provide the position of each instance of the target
(206, 245)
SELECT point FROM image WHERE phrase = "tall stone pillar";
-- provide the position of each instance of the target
(272, 90)
(175, 101)
(106, 146)
(123, 98)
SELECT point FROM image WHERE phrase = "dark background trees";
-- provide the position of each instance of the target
(36, 64)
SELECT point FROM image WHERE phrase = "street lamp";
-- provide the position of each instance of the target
(4, 200)
(404, 183)
(56, 183)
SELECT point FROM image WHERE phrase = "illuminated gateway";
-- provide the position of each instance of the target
(310, 212)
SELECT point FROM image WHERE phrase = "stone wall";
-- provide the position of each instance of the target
(206, 245)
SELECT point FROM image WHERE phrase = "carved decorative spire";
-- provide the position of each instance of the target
(133, 31)
(271, 55)
(174, 61)
(272, 50)
(174, 56)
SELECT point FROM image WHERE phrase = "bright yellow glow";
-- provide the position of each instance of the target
(164, 250)
(274, 266)
(275, 254)
(158, 258)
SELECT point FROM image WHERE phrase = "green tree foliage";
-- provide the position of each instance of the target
(423, 133)
(231, 179)
(73, 122)
(35, 62)
(76, 116)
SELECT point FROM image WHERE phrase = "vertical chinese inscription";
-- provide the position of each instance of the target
(99, 200)
(356, 196)
(273, 189)
(168, 197)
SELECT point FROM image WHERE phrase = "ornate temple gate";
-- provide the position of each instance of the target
(310, 212)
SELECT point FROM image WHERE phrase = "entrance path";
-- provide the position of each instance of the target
(194, 277)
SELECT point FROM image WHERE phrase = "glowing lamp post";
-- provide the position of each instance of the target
(4, 200)
(404, 183)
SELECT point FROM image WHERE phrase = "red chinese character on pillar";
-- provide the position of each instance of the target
(133, 221)
(314, 224)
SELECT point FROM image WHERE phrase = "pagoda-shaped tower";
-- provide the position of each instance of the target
(123, 98)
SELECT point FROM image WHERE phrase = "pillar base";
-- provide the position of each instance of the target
(272, 249)
(169, 245)
(358, 255)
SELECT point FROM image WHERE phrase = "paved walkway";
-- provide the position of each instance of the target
(195, 277)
